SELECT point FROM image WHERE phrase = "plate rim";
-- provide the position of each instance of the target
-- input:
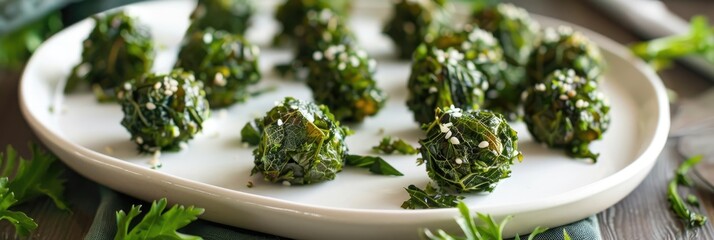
(642, 164)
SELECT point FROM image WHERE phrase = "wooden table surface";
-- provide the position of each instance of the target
(644, 214)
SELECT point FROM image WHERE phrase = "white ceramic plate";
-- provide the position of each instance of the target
(546, 189)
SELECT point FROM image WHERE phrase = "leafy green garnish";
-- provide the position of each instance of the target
(34, 178)
(213, 14)
(430, 197)
(41, 175)
(250, 133)
(376, 165)
(17, 46)
(23, 224)
(660, 52)
(156, 224)
(489, 230)
(413, 21)
(690, 218)
(389, 145)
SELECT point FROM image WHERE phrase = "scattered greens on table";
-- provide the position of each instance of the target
(488, 230)
(563, 47)
(390, 144)
(119, 48)
(412, 22)
(157, 223)
(299, 143)
(23, 180)
(517, 33)
(439, 79)
(567, 111)
(342, 78)
(690, 218)
(376, 165)
(232, 16)
(226, 64)
(291, 13)
(468, 151)
(660, 52)
(162, 112)
(430, 197)
(17, 46)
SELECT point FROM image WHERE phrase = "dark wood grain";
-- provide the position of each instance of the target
(644, 214)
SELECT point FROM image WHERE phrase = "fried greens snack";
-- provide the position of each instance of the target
(517, 33)
(119, 48)
(232, 16)
(468, 151)
(412, 21)
(163, 111)
(226, 64)
(564, 48)
(291, 13)
(341, 77)
(299, 143)
(480, 47)
(567, 111)
(441, 78)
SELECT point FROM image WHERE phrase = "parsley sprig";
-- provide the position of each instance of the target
(23, 180)
(157, 224)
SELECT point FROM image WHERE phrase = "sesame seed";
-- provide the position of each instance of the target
(175, 131)
(433, 89)
(456, 114)
(540, 87)
(571, 93)
(150, 106)
(483, 144)
(458, 161)
(448, 135)
(448, 124)
(563, 97)
(219, 80)
(286, 183)
(317, 56)
(354, 61)
(280, 122)
(183, 145)
(341, 66)
(454, 141)
(157, 85)
(139, 140)
(127, 86)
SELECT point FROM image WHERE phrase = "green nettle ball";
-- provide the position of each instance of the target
(320, 30)
(161, 112)
(481, 48)
(291, 15)
(468, 151)
(564, 48)
(341, 77)
(119, 48)
(567, 111)
(299, 143)
(517, 33)
(232, 16)
(440, 79)
(412, 22)
(226, 64)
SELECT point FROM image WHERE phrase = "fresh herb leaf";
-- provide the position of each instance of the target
(251, 132)
(34, 178)
(23, 224)
(566, 236)
(156, 224)
(429, 198)
(376, 165)
(389, 145)
(489, 229)
(692, 200)
(690, 218)
(660, 52)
